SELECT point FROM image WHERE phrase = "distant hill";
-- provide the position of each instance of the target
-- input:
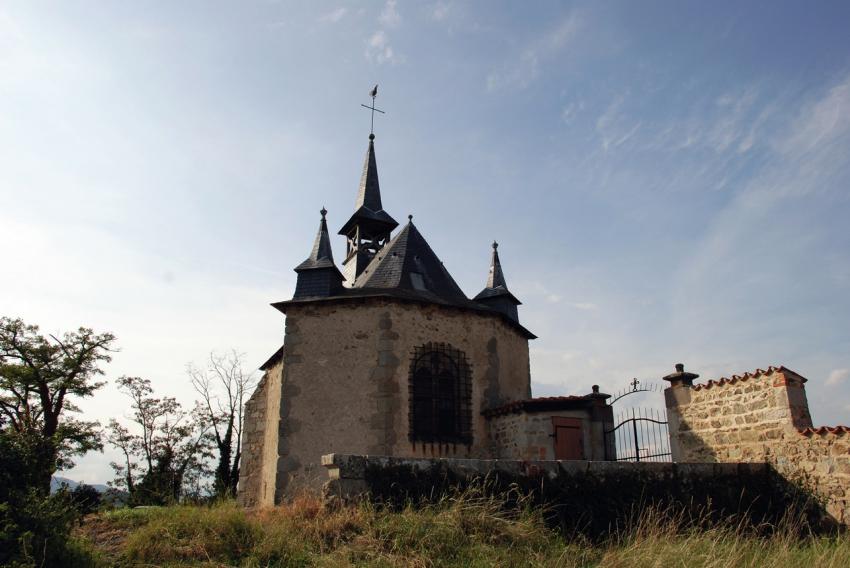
(56, 482)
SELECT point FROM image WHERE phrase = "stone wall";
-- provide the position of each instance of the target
(344, 385)
(259, 442)
(530, 434)
(253, 438)
(586, 497)
(270, 489)
(761, 417)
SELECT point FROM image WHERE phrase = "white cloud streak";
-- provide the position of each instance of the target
(521, 71)
(334, 16)
(837, 377)
(379, 50)
(390, 16)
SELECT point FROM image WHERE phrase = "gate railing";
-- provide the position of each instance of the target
(640, 435)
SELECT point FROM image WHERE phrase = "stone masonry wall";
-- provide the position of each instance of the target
(345, 381)
(530, 435)
(259, 442)
(270, 487)
(251, 466)
(579, 497)
(762, 417)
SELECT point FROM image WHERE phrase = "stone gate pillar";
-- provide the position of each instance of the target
(676, 396)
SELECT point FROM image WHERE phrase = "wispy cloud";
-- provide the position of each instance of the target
(378, 47)
(821, 124)
(837, 376)
(571, 111)
(440, 11)
(745, 252)
(379, 50)
(389, 15)
(520, 71)
(334, 16)
(614, 126)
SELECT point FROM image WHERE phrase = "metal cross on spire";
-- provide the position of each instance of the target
(373, 93)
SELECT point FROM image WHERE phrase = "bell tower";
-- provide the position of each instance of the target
(369, 228)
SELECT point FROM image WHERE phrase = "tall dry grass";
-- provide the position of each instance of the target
(464, 530)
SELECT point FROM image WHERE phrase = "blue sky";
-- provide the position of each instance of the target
(668, 181)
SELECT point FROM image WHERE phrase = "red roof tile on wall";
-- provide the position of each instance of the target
(747, 376)
(824, 430)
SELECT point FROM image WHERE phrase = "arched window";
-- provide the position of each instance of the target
(440, 395)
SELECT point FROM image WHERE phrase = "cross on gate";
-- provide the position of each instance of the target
(373, 93)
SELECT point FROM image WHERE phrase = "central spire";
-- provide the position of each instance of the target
(369, 194)
(370, 227)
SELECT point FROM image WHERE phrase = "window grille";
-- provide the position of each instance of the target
(440, 395)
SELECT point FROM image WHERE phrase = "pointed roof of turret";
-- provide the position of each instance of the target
(321, 256)
(368, 207)
(496, 285)
(409, 263)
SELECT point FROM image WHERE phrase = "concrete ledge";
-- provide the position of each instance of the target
(348, 466)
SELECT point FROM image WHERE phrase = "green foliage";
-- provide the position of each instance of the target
(40, 378)
(85, 499)
(165, 452)
(35, 529)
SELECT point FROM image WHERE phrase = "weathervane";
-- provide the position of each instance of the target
(373, 93)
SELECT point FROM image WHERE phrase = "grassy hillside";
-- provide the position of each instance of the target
(456, 532)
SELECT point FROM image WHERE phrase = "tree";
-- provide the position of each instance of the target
(40, 379)
(34, 527)
(223, 386)
(167, 447)
(85, 499)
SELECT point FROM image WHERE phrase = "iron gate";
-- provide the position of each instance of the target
(640, 434)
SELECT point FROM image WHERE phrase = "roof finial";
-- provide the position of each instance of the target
(410, 218)
(495, 245)
(373, 93)
(323, 211)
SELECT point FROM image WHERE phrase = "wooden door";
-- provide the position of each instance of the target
(568, 438)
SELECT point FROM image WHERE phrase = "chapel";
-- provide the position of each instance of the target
(384, 354)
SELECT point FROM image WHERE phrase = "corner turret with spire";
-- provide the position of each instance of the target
(318, 276)
(496, 294)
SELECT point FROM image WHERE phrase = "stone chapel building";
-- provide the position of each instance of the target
(388, 356)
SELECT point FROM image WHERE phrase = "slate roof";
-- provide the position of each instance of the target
(496, 284)
(321, 256)
(271, 361)
(406, 268)
(368, 206)
(407, 262)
